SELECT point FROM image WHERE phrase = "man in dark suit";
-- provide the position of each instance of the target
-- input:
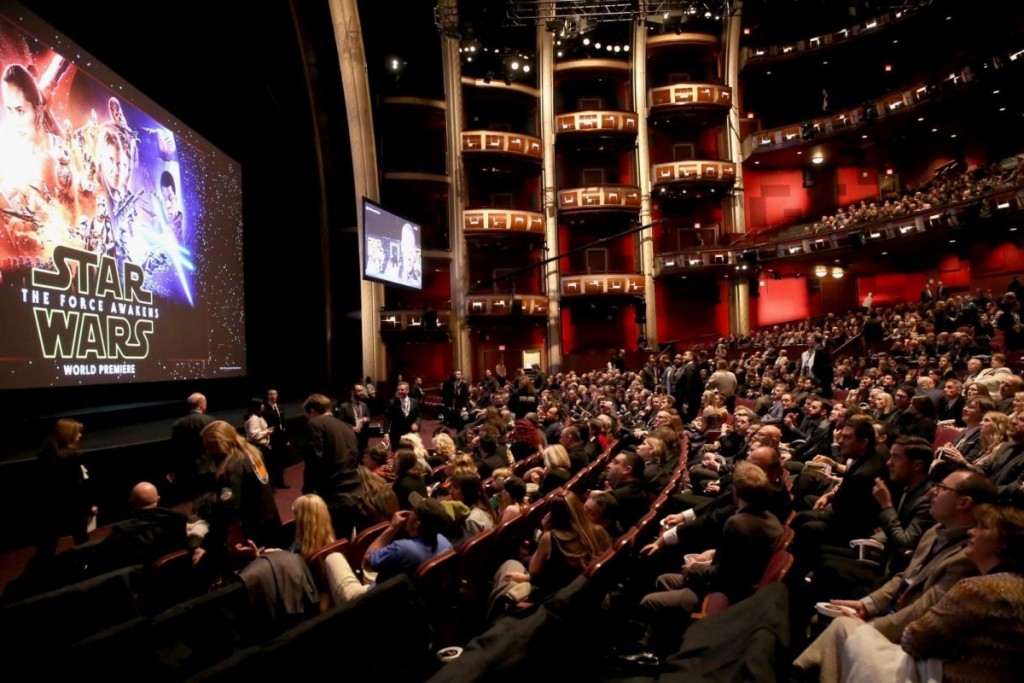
(274, 416)
(951, 405)
(626, 483)
(572, 440)
(903, 520)
(147, 535)
(813, 431)
(190, 466)
(734, 567)
(356, 414)
(816, 362)
(402, 415)
(688, 388)
(848, 511)
(455, 396)
(332, 460)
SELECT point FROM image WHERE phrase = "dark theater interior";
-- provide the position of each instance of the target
(590, 291)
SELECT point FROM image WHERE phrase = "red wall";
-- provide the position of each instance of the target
(855, 183)
(780, 301)
(430, 360)
(686, 309)
(773, 197)
(621, 331)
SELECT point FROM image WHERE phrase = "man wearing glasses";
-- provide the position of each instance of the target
(938, 563)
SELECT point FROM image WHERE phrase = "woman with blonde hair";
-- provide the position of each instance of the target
(995, 427)
(313, 529)
(413, 441)
(245, 499)
(444, 449)
(555, 472)
(379, 501)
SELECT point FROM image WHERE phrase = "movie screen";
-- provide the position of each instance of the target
(120, 228)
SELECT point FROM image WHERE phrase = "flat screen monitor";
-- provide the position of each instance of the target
(120, 227)
(391, 248)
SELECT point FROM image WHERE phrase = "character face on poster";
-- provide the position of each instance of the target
(112, 227)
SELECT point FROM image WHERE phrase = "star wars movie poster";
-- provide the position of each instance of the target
(120, 232)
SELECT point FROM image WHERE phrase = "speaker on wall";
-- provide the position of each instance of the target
(754, 288)
(517, 306)
(430, 320)
(640, 311)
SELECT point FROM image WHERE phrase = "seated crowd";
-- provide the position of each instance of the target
(881, 486)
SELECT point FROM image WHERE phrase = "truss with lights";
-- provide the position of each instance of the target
(521, 12)
(581, 16)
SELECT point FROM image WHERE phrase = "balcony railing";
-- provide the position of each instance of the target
(609, 284)
(499, 142)
(598, 121)
(598, 198)
(681, 96)
(483, 221)
(694, 171)
(804, 242)
(507, 304)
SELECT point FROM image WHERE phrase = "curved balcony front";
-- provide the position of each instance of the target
(494, 305)
(492, 88)
(690, 100)
(489, 221)
(502, 152)
(603, 284)
(597, 122)
(599, 198)
(408, 320)
(587, 68)
(707, 40)
(425, 105)
(694, 172)
(597, 130)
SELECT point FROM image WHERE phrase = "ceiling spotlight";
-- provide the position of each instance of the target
(618, 49)
(586, 41)
(515, 66)
(597, 45)
(625, 48)
(526, 68)
(610, 48)
(817, 159)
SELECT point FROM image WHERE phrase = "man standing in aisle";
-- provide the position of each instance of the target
(403, 415)
(189, 462)
(274, 416)
(332, 460)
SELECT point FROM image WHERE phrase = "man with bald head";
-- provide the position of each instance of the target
(147, 535)
(189, 462)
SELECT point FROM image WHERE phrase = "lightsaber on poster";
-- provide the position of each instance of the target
(120, 228)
